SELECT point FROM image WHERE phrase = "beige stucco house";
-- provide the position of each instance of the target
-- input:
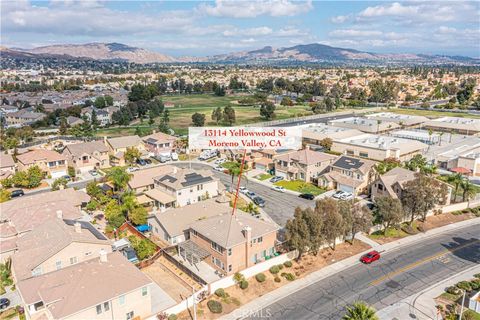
(87, 156)
(52, 162)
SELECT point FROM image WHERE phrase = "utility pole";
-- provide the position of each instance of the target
(194, 304)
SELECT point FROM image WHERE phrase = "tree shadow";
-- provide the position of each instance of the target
(466, 249)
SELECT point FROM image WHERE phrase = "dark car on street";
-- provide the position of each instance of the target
(370, 257)
(4, 303)
(307, 196)
(17, 193)
(259, 202)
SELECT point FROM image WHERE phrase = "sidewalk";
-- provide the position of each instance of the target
(422, 304)
(334, 268)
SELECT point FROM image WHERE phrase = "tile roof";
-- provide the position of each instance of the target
(39, 155)
(227, 230)
(144, 177)
(83, 285)
(306, 156)
(47, 240)
(6, 160)
(184, 178)
(159, 137)
(124, 142)
(349, 163)
(78, 149)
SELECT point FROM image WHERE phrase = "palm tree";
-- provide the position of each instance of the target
(360, 311)
(118, 177)
(468, 190)
(455, 179)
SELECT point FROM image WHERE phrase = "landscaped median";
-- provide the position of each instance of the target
(300, 186)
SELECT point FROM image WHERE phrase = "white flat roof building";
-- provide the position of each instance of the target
(401, 119)
(466, 126)
(379, 147)
(314, 133)
(364, 124)
(418, 135)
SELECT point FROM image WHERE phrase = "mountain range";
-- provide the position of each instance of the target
(308, 53)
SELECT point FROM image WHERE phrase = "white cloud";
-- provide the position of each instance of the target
(340, 19)
(252, 9)
(291, 32)
(259, 31)
(343, 33)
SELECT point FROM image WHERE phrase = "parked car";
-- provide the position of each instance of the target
(141, 162)
(278, 188)
(370, 257)
(132, 169)
(130, 254)
(17, 193)
(347, 196)
(259, 202)
(338, 194)
(276, 179)
(4, 303)
(250, 194)
(307, 196)
(220, 161)
(174, 156)
(148, 161)
(93, 173)
(243, 190)
(218, 168)
(67, 177)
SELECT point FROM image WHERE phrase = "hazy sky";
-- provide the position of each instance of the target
(203, 28)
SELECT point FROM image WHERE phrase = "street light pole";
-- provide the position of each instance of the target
(461, 307)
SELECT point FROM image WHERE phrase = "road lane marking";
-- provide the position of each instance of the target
(420, 262)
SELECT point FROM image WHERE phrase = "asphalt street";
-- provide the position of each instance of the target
(279, 206)
(397, 275)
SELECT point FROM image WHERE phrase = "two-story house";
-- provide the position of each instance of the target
(183, 187)
(231, 243)
(159, 143)
(7, 165)
(306, 165)
(118, 146)
(52, 162)
(87, 156)
(106, 287)
(349, 174)
(54, 245)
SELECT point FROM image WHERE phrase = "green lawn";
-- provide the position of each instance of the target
(433, 113)
(300, 186)
(449, 296)
(470, 314)
(390, 233)
(263, 176)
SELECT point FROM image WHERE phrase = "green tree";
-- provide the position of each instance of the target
(229, 115)
(267, 110)
(108, 100)
(60, 182)
(217, 115)
(93, 190)
(166, 116)
(34, 177)
(421, 195)
(138, 215)
(387, 165)
(456, 179)
(131, 155)
(114, 214)
(356, 218)
(360, 311)
(333, 224)
(326, 143)
(297, 233)
(10, 143)
(315, 226)
(118, 177)
(100, 102)
(4, 195)
(468, 190)
(389, 211)
(198, 119)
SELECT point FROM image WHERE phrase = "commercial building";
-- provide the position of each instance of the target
(403, 120)
(364, 124)
(467, 126)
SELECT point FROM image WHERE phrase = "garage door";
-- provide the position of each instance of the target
(345, 188)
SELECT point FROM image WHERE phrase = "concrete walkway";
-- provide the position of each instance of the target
(360, 236)
(288, 289)
(422, 304)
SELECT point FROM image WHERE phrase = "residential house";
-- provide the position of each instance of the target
(183, 187)
(172, 225)
(379, 147)
(230, 243)
(54, 245)
(22, 215)
(392, 184)
(159, 143)
(52, 162)
(22, 118)
(118, 146)
(304, 164)
(108, 287)
(349, 174)
(7, 165)
(104, 116)
(74, 121)
(143, 180)
(87, 156)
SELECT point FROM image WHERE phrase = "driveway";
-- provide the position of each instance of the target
(13, 296)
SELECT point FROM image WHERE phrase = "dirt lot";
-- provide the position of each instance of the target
(306, 265)
(174, 287)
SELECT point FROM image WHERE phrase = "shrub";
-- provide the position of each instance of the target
(453, 290)
(288, 276)
(260, 277)
(288, 264)
(214, 306)
(464, 285)
(274, 269)
(238, 277)
(280, 266)
(277, 279)
(172, 317)
(221, 293)
(475, 284)
(243, 284)
(477, 275)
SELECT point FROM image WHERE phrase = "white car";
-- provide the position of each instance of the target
(220, 161)
(339, 194)
(218, 168)
(243, 190)
(346, 196)
(132, 169)
(174, 156)
(278, 188)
